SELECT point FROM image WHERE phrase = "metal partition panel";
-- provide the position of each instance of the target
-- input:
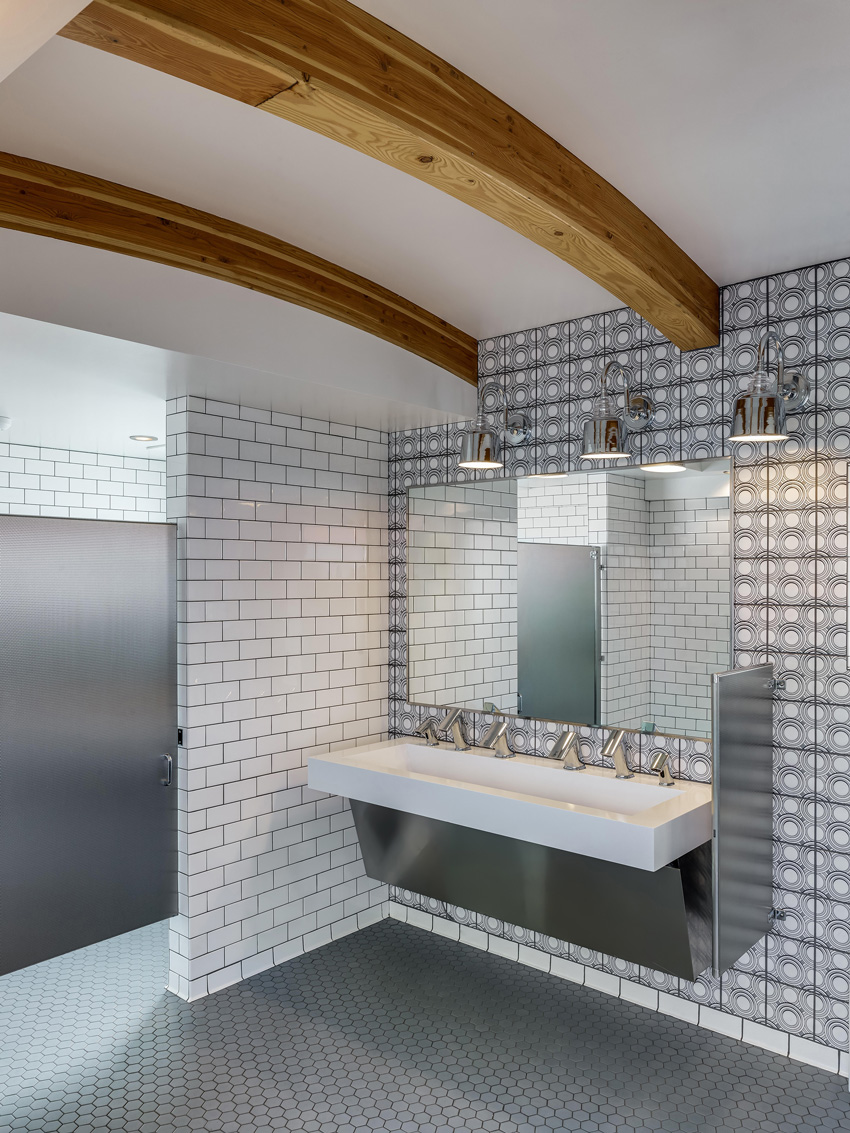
(87, 714)
(658, 919)
(558, 658)
(742, 743)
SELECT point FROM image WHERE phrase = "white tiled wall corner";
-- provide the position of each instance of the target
(721, 1022)
(66, 484)
(626, 603)
(283, 607)
(691, 608)
(462, 594)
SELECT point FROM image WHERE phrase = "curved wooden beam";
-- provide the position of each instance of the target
(51, 201)
(330, 66)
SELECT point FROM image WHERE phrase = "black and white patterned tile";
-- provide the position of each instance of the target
(790, 590)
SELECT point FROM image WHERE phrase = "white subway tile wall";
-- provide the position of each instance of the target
(691, 608)
(283, 639)
(626, 603)
(67, 484)
(463, 594)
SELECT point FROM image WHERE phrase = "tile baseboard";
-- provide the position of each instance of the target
(720, 1022)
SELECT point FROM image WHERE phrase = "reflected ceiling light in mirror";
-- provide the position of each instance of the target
(481, 445)
(605, 434)
(759, 414)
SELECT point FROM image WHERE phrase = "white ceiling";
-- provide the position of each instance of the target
(70, 388)
(27, 24)
(725, 120)
(180, 141)
(66, 388)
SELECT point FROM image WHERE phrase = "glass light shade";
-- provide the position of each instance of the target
(479, 447)
(604, 440)
(759, 414)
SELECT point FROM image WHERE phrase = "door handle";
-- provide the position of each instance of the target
(169, 767)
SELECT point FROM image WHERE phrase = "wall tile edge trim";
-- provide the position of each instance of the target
(253, 966)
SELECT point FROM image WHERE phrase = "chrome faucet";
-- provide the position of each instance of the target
(566, 747)
(497, 739)
(428, 729)
(658, 766)
(453, 719)
(615, 749)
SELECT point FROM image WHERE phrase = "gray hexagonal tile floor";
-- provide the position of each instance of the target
(389, 1029)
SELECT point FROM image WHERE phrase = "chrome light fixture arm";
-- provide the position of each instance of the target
(481, 444)
(638, 410)
(759, 414)
(793, 386)
(514, 425)
(603, 433)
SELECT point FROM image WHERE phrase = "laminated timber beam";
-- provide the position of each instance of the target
(333, 68)
(51, 201)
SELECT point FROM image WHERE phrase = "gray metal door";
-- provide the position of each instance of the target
(87, 714)
(558, 662)
(742, 785)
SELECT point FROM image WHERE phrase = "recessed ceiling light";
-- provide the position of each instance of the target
(142, 437)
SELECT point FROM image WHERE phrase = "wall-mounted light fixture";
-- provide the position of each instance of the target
(759, 414)
(481, 445)
(605, 434)
(5, 424)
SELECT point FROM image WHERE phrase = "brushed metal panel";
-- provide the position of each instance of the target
(558, 655)
(87, 710)
(742, 751)
(656, 919)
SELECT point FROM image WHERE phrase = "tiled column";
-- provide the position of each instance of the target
(283, 609)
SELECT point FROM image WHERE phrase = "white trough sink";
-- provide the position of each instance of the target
(634, 822)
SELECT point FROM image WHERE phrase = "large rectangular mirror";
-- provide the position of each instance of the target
(599, 597)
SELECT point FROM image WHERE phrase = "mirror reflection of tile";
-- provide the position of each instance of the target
(664, 619)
